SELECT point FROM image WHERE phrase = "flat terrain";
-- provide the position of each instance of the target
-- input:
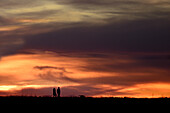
(78, 100)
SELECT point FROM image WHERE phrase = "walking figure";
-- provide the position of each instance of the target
(58, 91)
(54, 92)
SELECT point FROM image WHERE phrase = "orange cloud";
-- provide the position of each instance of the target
(9, 28)
(44, 70)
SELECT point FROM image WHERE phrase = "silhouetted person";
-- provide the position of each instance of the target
(54, 92)
(58, 91)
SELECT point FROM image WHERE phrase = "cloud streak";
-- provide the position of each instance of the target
(73, 11)
(50, 67)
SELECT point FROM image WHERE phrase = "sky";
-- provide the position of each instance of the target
(98, 48)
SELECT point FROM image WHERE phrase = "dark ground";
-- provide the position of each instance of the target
(83, 100)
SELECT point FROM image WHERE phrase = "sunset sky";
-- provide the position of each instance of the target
(87, 47)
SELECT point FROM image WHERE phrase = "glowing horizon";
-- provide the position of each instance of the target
(46, 70)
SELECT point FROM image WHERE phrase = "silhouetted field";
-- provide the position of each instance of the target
(79, 100)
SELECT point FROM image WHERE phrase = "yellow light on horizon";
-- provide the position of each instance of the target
(7, 87)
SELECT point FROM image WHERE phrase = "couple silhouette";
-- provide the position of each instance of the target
(58, 92)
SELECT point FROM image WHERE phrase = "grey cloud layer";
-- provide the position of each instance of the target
(131, 25)
(93, 10)
(10, 46)
(135, 36)
(125, 8)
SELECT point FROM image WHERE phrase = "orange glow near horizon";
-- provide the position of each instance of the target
(19, 72)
